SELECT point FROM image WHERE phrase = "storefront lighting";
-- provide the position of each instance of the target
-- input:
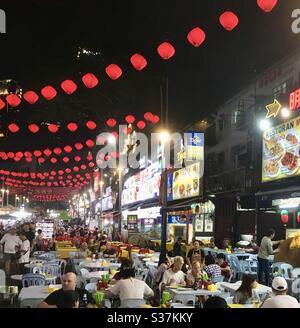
(111, 139)
(285, 113)
(164, 136)
(288, 206)
(264, 125)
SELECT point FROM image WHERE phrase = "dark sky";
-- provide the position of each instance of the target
(43, 37)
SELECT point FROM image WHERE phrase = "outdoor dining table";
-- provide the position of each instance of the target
(7, 294)
(49, 279)
(94, 275)
(233, 287)
(33, 295)
(98, 265)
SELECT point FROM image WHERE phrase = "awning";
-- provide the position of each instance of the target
(183, 203)
(289, 192)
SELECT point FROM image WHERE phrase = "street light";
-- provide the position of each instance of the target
(7, 197)
(285, 113)
(264, 125)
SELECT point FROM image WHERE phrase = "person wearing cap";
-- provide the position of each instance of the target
(281, 299)
(265, 250)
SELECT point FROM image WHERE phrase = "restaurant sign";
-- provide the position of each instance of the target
(281, 151)
(179, 219)
(295, 100)
(132, 223)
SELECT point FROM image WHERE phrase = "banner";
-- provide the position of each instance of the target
(281, 151)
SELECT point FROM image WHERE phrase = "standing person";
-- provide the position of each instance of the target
(265, 250)
(38, 240)
(25, 252)
(177, 250)
(194, 254)
(11, 241)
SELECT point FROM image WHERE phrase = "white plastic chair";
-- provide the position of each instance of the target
(296, 273)
(90, 287)
(84, 272)
(217, 279)
(132, 303)
(284, 269)
(33, 279)
(2, 278)
(143, 274)
(229, 300)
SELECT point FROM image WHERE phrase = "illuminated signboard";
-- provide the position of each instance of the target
(184, 183)
(281, 151)
(295, 100)
(195, 146)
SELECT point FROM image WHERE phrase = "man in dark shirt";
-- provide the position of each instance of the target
(177, 250)
(110, 251)
(56, 299)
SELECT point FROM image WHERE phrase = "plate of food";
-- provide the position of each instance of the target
(290, 163)
(272, 168)
(291, 140)
(274, 148)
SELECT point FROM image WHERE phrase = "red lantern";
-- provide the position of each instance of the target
(138, 62)
(72, 127)
(75, 169)
(37, 153)
(141, 125)
(19, 154)
(78, 146)
(31, 97)
(91, 125)
(77, 158)
(166, 50)
(229, 20)
(49, 92)
(53, 173)
(29, 159)
(13, 128)
(66, 160)
(155, 119)
(196, 37)
(53, 128)
(129, 119)
(67, 149)
(267, 5)
(90, 143)
(284, 218)
(27, 154)
(83, 167)
(67, 170)
(69, 86)
(13, 100)
(57, 151)
(47, 152)
(17, 159)
(33, 128)
(90, 80)
(53, 160)
(91, 164)
(111, 122)
(148, 116)
(113, 71)
(2, 104)
(61, 172)
(41, 160)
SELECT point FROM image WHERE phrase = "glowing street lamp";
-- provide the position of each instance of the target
(264, 125)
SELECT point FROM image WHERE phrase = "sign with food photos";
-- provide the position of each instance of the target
(281, 151)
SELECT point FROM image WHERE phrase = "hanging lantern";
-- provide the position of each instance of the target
(53, 128)
(78, 146)
(91, 164)
(67, 149)
(75, 169)
(72, 127)
(91, 125)
(53, 160)
(48, 92)
(298, 217)
(166, 50)
(2, 104)
(77, 158)
(47, 152)
(90, 143)
(148, 116)
(19, 154)
(28, 159)
(13, 100)
(69, 86)
(83, 167)
(13, 128)
(141, 125)
(17, 159)
(267, 5)
(90, 80)
(60, 172)
(113, 71)
(67, 170)
(155, 119)
(27, 154)
(37, 153)
(41, 160)
(229, 20)
(284, 216)
(31, 97)
(57, 151)
(111, 122)
(138, 61)
(196, 37)
(33, 128)
(53, 173)
(66, 160)
(129, 119)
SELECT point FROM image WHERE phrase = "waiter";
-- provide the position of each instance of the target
(265, 250)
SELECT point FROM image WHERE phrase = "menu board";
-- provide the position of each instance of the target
(47, 228)
(184, 183)
(132, 223)
(199, 222)
(281, 151)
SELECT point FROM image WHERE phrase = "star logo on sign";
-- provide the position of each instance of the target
(273, 109)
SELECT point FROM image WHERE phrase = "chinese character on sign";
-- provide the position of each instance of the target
(295, 100)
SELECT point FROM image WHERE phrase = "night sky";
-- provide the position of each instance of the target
(43, 37)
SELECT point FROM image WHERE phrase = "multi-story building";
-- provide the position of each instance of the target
(234, 154)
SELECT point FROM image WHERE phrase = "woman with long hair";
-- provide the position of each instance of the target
(246, 294)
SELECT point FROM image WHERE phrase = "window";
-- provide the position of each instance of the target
(221, 122)
(235, 116)
(280, 90)
(221, 158)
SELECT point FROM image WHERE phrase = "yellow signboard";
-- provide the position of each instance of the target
(281, 151)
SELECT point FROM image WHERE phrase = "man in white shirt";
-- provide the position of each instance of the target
(25, 252)
(173, 276)
(11, 241)
(281, 299)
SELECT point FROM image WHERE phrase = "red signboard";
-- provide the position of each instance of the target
(295, 100)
